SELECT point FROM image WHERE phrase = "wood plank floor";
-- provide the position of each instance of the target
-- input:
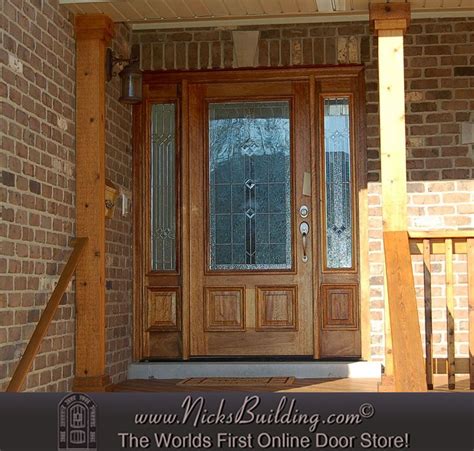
(299, 386)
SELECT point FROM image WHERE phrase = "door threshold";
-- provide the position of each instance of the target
(211, 359)
(303, 369)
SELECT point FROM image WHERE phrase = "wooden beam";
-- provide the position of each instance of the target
(29, 355)
(93, 34)
(392, 132)
(408, 362)
(440, 234)
(389, 16)
(389, 22)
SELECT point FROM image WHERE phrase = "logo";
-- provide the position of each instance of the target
(77, 423)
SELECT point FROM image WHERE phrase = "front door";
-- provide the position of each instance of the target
(251, 266)
(248, 185)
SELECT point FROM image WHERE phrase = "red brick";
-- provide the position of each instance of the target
(204, 55)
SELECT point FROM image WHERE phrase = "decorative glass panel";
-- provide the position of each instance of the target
(250, 186)
(337, 150)
(163, 187)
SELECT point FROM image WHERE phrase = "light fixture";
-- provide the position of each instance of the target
(130, 75)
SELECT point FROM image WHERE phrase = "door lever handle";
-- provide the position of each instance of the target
(304, 230)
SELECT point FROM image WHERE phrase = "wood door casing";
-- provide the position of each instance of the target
(249, 312)
(168, 331)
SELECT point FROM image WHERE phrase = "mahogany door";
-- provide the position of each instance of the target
(249, 181)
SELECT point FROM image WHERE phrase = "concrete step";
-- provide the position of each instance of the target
(300, 370)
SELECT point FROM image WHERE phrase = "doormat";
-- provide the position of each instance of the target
(231, 381)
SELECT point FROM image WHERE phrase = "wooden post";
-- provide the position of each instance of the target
(428, 312)
(389, 22)
(408, 363)
(93, 34)
(448, 243)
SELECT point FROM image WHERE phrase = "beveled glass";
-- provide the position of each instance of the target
(249, 186)
(163, 187)
(337, 154)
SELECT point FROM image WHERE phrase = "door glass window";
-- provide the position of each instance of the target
(163, 187)
(250, 186)
(337, 152)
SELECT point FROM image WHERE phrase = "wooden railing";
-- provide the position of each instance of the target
(31, 350)
(449, 243)
(407, 351)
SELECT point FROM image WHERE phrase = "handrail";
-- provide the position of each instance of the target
(41, 328)
(447, 243)
(408, 362)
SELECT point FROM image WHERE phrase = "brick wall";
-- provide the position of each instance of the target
(439, 95)
(119, 228)
(37, 186)
(37, 194)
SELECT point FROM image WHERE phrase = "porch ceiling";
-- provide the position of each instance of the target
(143, 14)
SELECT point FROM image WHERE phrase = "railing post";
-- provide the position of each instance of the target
(428, 312)
(450, 313)
(408, 362)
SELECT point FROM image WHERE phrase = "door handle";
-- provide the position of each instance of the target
(304, 230)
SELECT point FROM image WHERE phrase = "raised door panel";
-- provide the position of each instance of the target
(340, 330)
(339, 307)
(225, 309)
(277, 308)
(163, 311)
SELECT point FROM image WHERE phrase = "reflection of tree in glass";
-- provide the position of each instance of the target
(247, 130)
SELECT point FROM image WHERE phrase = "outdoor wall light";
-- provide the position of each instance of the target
(130, 75)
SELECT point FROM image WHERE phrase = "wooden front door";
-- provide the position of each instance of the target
(251, 266)
(249, 185)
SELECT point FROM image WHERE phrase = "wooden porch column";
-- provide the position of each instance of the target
(389, 22)
(93, 34)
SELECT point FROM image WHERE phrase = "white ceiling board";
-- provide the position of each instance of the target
(418, 3)
(179, 8)
(453, 3)
(89, 8)
(235, 7)
(358, 5)
(307, 6)
(208, 13)
(163, 9)
(253, 7)
(271, 7)
(145, 9)
(199, 8)
(217, 8)
(289, 6)
(113, 12)
(128, 10)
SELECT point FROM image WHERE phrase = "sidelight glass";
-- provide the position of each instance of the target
(163, 187)
(250, 186)
(337, 152)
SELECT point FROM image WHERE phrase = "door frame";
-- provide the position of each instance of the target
(168, 85)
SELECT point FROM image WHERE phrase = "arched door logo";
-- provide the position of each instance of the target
(77, 421)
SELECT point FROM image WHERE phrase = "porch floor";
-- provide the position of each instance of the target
(299, 385)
